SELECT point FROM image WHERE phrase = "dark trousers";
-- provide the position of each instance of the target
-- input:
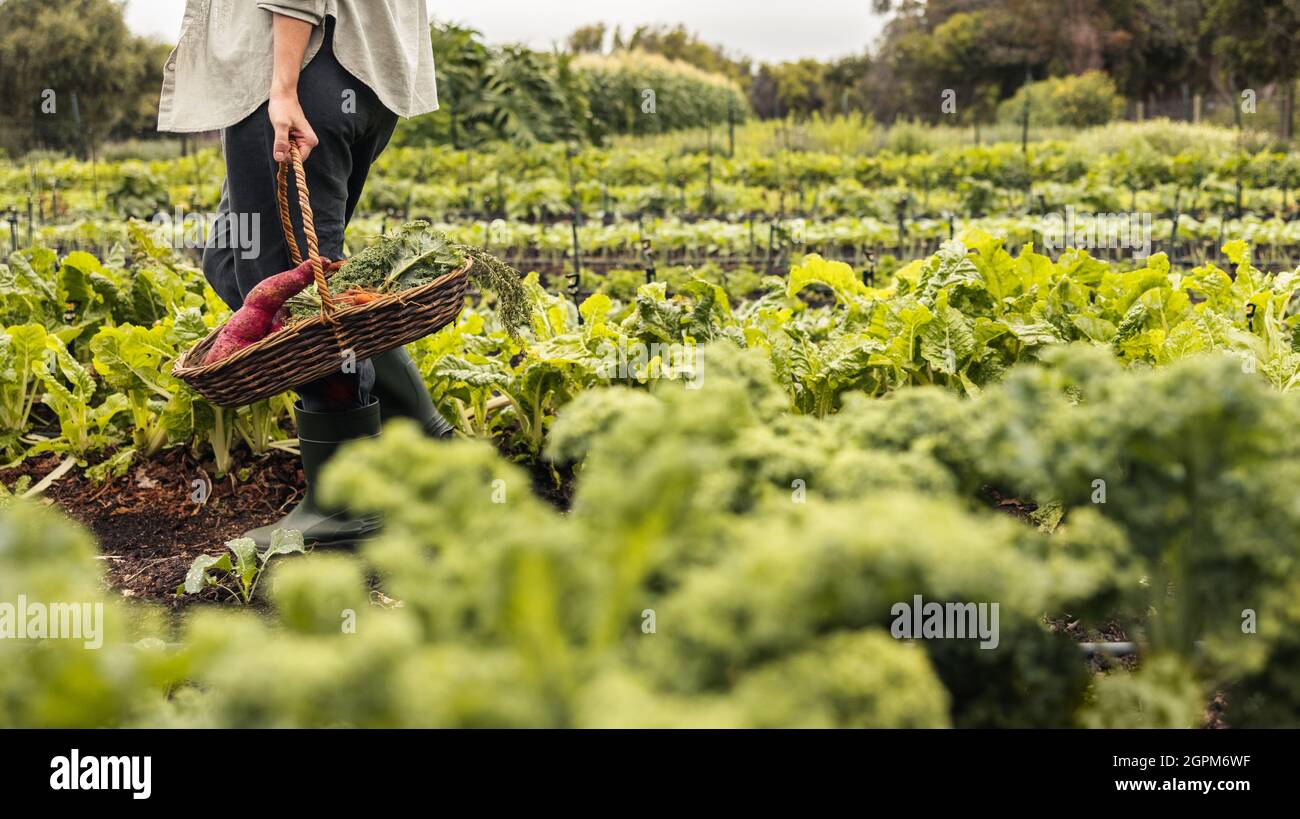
(353, 127)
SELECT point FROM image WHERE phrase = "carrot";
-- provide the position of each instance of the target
(357, 296)
(263, 311)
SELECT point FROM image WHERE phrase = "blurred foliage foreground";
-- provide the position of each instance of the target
(728, 563)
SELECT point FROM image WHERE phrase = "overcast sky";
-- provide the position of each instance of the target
(769, 30)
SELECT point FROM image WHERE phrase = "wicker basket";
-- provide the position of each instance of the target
(321, 345)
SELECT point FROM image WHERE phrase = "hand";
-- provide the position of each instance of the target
(288, 121)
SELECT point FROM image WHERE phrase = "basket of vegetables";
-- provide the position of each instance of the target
(311, 321)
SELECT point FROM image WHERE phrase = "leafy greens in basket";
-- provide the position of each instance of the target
(414, 255)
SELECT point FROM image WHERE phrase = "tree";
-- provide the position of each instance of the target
(139, 111)
(1259, 41)
(589, 39)
(526, 98)
(461, 67)
(1150, 48)
(51, 51)
(1156, 47)
(677, 43)
(801, 86)
(963, 60)
(846, 83)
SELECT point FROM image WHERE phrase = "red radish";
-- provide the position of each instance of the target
(262, 313)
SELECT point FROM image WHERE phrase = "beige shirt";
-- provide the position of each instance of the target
(220, 71)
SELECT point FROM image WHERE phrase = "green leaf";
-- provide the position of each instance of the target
(1237, 251)
(74, 278)
(189, 326)
(710, 314)
(285, 542)
(1094, 328)
(115, 465)
(474, 375)
(838, 276)
(1132, 324)
(1048, 517)
(42, 284)
(947, 340)
(197, 577)
(1033, 334)
(595, 309)
(135, 358)
(656, 318)
(245, 551)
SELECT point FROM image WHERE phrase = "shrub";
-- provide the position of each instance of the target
(1076, 101)
(684, 96)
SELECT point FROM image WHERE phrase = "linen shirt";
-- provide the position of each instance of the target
(220, 70)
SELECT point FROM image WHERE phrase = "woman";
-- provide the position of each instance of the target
(334, 75)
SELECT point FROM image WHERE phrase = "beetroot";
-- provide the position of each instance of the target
(263, 311)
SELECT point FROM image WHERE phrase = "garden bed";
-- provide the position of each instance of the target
(148, 526)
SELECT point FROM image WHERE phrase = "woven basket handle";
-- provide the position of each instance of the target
(308, 223)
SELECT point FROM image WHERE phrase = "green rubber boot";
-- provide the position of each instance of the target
(320, 434)
(402, 394)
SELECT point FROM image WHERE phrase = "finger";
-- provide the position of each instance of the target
(280, 151)
(307, 140)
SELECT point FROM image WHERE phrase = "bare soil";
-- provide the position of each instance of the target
(148, 523)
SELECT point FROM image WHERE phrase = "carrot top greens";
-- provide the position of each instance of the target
(415, 255)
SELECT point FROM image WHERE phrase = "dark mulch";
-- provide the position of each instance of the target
(149, 526)
(1021, 509)
(553, 484)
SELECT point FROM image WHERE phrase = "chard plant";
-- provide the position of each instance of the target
(70, 393)
(21, 349)
(239, 578)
